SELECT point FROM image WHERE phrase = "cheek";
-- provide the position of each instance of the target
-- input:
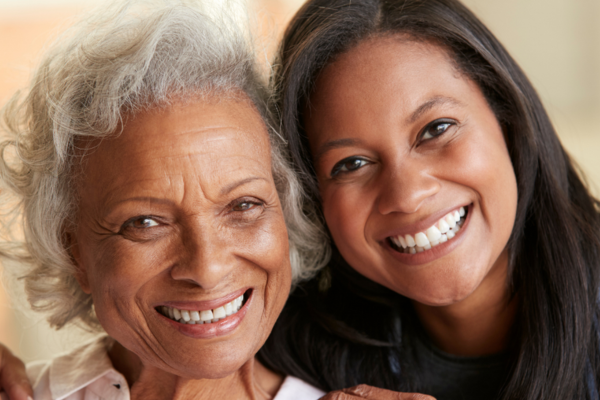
(124, 267)
(346, 209)
(487, 169)
(117, 272)
(268, 249)
(492, 172)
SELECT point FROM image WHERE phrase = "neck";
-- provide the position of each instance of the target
(252, 381)
(479, 325)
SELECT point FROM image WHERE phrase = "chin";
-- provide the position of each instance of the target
(442, 301)
(217, 368)
(445, 293)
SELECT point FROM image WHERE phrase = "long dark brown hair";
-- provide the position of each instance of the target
(554, 247)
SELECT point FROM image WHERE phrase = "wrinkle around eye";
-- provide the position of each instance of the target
(144, 234)
(102, 230)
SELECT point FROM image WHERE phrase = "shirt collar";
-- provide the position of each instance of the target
(71, 372)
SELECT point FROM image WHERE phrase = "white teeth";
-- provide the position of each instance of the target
(421, 239)
(450, 220)
(443, 226)
(202, 316)
(433, 234)
(444, 230)
(220, 312)
(185, 315)
(402, 242)
(206, 315)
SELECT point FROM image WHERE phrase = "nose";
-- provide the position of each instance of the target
(206, 259)
(405, 186)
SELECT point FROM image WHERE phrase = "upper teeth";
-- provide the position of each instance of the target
(202, 316)
(440, 232)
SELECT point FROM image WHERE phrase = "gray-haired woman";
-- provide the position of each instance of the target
(154, 200)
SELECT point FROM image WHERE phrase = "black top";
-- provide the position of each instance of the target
(449, 377)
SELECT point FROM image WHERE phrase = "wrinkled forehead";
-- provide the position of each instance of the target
(214, 107)
(214, 139)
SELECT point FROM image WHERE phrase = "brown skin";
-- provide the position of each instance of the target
(365, 106)
(13, 379)
(123, 279)
(182, 206)
(372, 393)
(369, 95)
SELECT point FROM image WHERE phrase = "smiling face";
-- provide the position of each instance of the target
(417, 185)
(179, 217)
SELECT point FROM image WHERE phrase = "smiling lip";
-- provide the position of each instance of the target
(204, 305)
(435, 252)
(215, 329)
(420, 226)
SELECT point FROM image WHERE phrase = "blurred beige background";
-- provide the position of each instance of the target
(557, 42)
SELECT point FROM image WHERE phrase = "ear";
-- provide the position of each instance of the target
(80, 271)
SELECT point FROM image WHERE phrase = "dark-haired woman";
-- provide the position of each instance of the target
(443, 182)
(466, 247)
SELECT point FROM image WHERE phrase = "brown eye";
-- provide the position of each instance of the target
(141, 223)
(246, 204)
(243, 206)
(436, 128)
(348, 165)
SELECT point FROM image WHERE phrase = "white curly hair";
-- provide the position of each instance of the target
(125, 58)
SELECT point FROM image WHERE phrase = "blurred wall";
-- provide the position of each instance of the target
(557, 42)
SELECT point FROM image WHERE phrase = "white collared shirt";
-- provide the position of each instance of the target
(88, 374)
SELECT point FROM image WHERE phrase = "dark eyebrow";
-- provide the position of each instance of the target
(422, 109)
(335, 144)
(429, 104)
(229, 188)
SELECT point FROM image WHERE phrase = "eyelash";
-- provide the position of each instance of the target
(339, 167)
(129, 223)
(437, 123)
(252, 204)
